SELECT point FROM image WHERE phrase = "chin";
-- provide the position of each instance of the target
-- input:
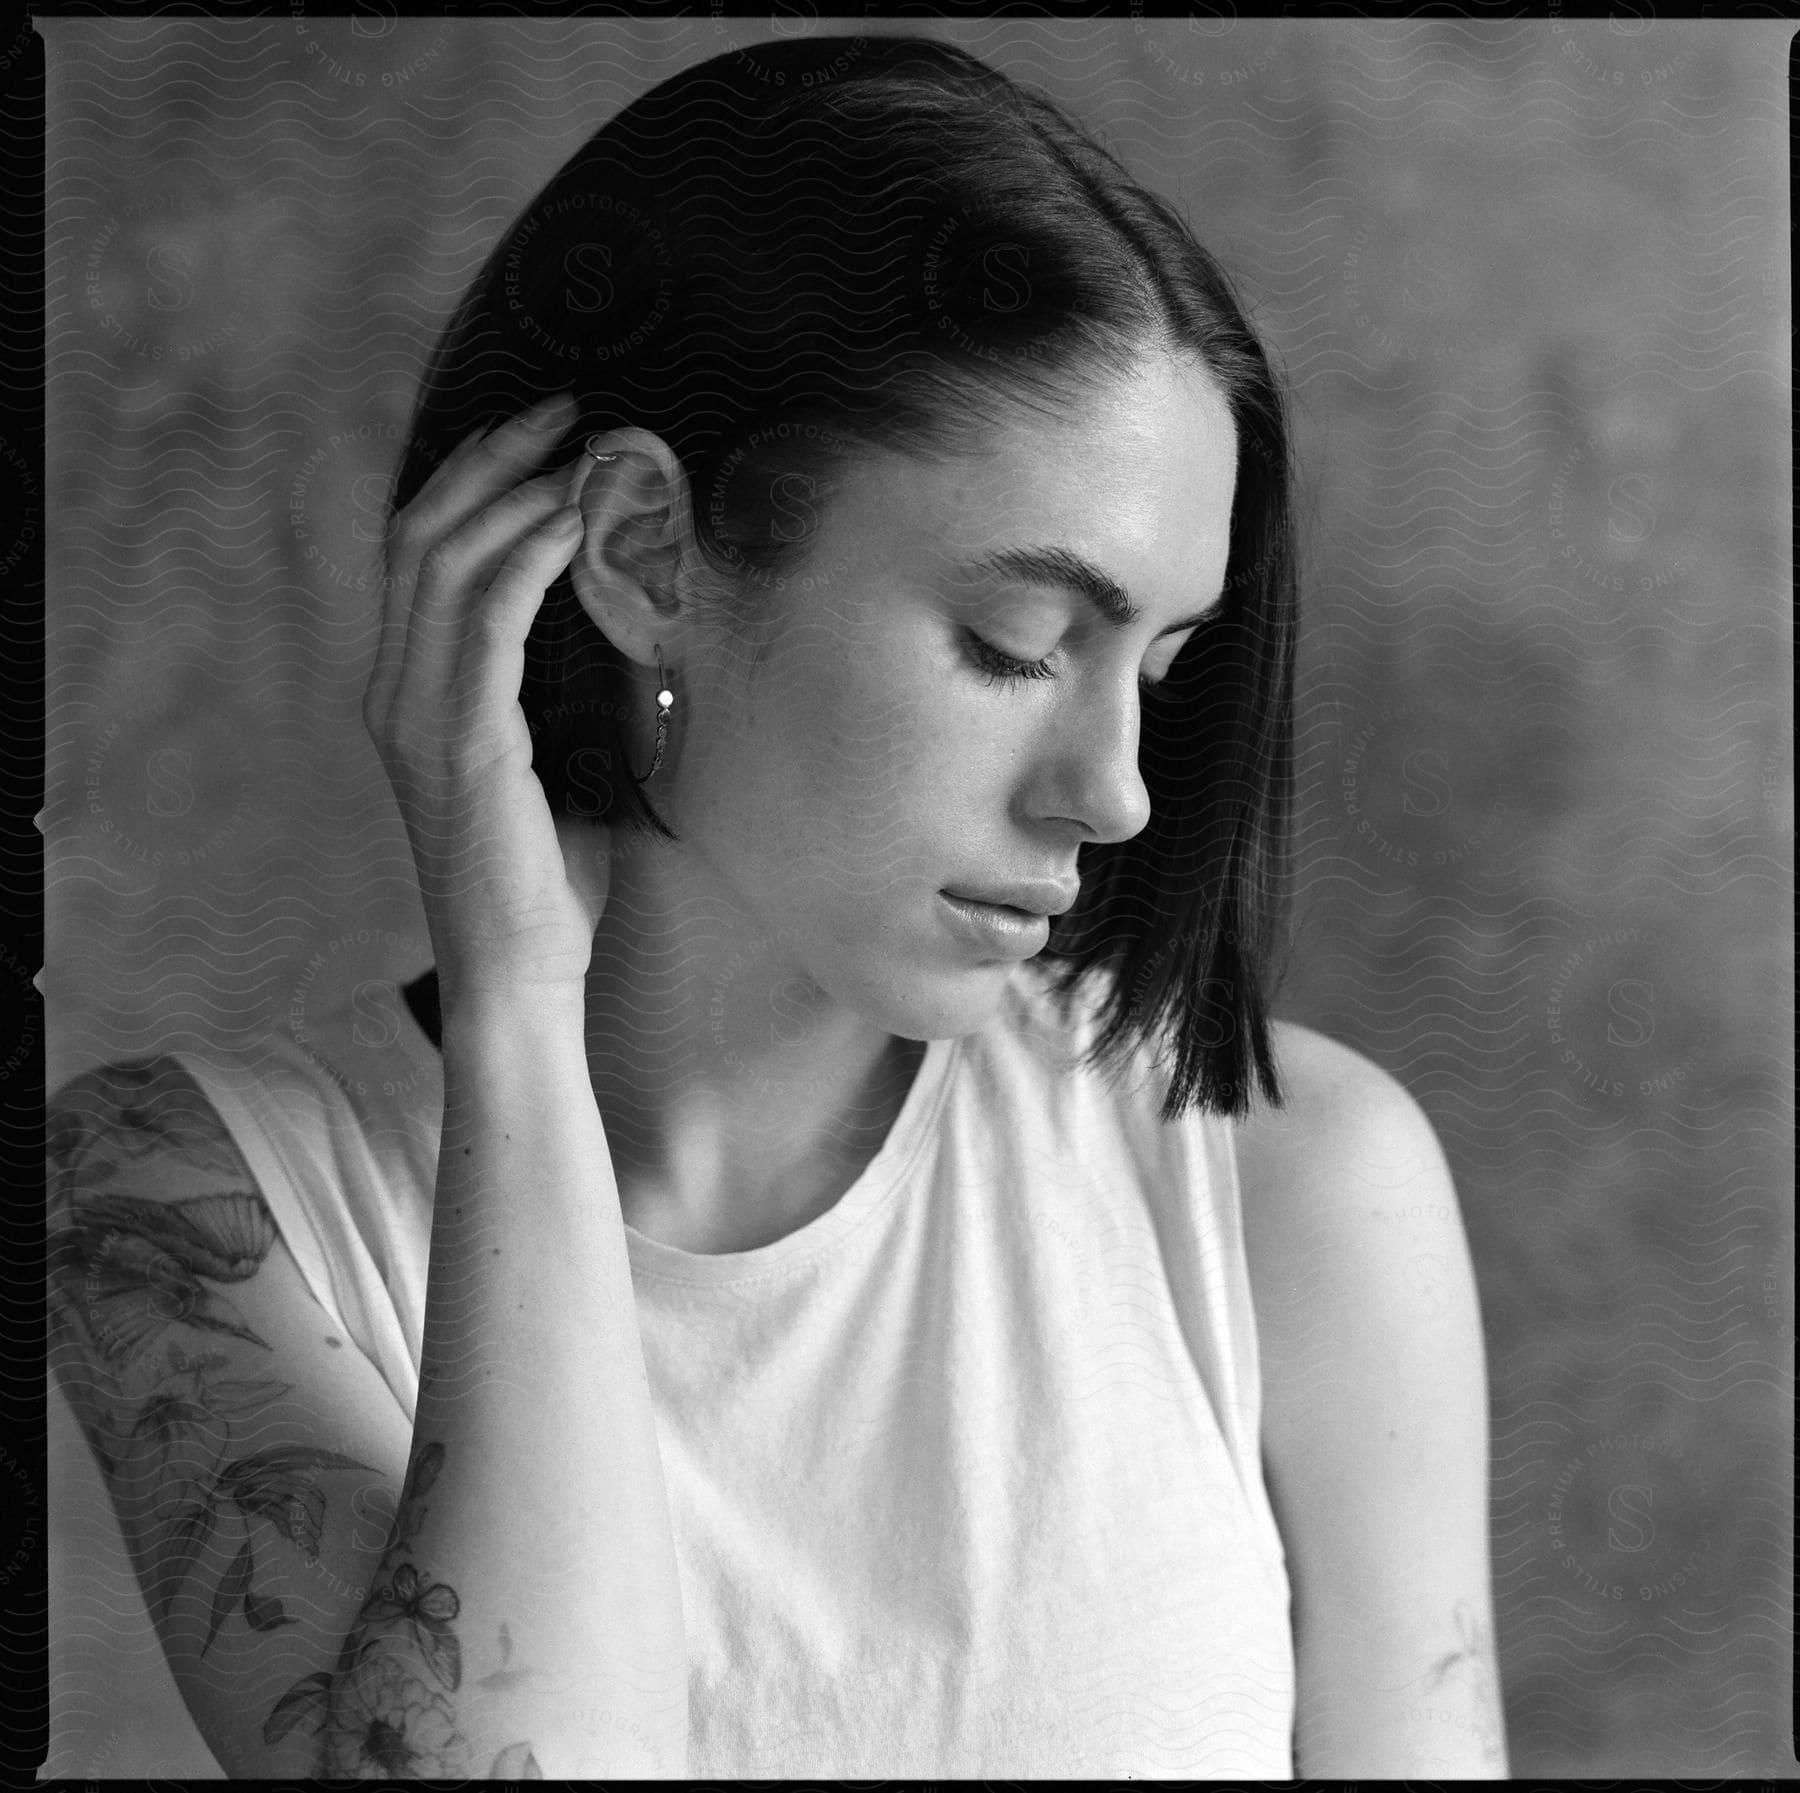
(945, 1005)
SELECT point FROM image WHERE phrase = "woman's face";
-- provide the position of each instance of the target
(858, 761)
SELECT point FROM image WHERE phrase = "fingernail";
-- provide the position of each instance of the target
(545, 409)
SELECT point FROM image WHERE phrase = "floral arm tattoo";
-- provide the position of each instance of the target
(151, 1350)
(137, 1318)
(386, 1710)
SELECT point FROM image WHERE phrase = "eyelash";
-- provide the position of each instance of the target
(1003, 669)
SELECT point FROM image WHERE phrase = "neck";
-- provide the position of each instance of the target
(739, 1098)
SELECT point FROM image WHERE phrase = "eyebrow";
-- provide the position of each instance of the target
(1075, 572)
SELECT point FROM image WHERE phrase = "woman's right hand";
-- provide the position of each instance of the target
(467, 564)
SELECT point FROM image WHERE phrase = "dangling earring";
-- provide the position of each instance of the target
(665, 699)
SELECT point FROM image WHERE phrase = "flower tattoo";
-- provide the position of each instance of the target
(385, 1710)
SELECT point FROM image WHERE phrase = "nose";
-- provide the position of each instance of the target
(1090, 770)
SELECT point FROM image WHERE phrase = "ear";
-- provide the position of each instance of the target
(636, 540)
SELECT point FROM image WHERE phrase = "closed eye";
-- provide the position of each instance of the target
(1002, 668)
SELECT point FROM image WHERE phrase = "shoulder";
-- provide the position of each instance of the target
(1346, 1191)
(128, 1115)
(1366, 1310)
(151, 1205)
(1374, 1403)
(1345, 1120)
(1367, 1317)
(147, 1189)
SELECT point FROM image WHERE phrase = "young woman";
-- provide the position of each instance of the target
(857, 1317)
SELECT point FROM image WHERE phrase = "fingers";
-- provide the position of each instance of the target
(459, 585)
(490, 665)
(469, 488)
(482, 466)
(457, 711)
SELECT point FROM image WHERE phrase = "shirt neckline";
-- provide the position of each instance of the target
(879, 1179)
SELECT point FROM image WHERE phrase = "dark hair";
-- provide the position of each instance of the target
(780, 259)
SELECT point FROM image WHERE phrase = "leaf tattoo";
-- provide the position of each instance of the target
(183, 1540)
(1474, 1654)
(420, 1474)
(230, 1592)
(304, 1703)
(281, 1486)
(505, 1676)
(264, 1615)
(515, 1763)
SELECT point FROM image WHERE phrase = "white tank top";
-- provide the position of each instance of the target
(964, 1473)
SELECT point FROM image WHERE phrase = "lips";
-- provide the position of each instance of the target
(1037, 897)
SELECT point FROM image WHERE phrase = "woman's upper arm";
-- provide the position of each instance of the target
(1374, 1423)
(253, 1455)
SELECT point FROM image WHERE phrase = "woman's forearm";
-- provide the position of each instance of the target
(527, 1609)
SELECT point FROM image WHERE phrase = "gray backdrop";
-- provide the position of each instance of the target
(1530, 282)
